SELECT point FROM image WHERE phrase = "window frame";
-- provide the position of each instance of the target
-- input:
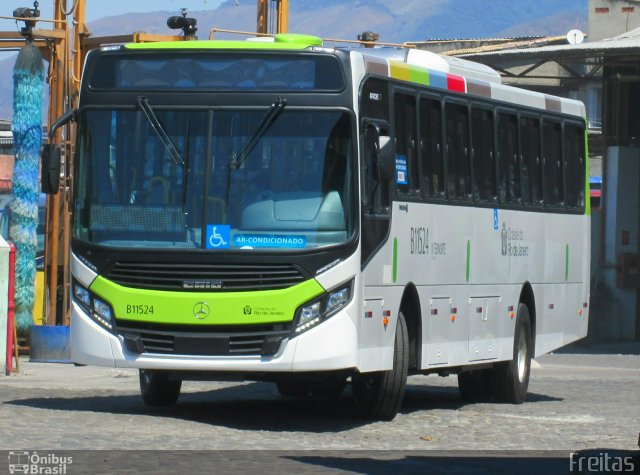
(491, 200)
(467, 195)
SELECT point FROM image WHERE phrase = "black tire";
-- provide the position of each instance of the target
(321, 387)
(329, 388)
(292, 387)
(511, 378)
(475, 386)
(157, 389)
(379, 395)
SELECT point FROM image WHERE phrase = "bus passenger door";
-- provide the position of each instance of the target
(439, 331)
(483, 328)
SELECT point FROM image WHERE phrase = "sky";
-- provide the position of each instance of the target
(96, 9)
(100, 8)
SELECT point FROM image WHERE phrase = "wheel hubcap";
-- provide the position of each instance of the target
(522, 356)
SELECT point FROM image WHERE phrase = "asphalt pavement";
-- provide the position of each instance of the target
(583, 404)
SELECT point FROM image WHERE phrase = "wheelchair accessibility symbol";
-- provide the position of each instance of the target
(218, 236)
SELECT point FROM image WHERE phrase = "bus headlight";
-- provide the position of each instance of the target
(338, 299)
(97, 309)
(102, 311)
(82, 295)
(309, 313)
(318, 310)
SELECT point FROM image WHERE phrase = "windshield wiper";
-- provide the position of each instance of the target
(274, 112)
(151, 116)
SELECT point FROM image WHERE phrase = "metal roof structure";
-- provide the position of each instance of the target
(583, 61)
(618, 45)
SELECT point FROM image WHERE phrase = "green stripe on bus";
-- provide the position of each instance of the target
(395, 259)
(566, 263)
(587, 186)
(217, 44)
(420, 76)
(468, 259)
(409, 73)
(225, 308)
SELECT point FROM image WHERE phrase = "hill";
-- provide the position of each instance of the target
(394, 20)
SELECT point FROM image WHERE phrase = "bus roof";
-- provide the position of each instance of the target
(284, 41)
(411, 65)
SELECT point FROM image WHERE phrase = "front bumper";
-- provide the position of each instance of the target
(332, 345)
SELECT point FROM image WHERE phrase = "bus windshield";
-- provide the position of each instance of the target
(293, 188)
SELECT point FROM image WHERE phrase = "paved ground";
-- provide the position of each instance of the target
(582, 399)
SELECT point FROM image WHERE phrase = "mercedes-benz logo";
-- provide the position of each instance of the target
(201, 310)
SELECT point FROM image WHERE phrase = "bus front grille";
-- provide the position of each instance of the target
(204, 277)
(250, 340)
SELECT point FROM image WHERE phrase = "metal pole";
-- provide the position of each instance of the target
(283, 16)
(56, 108)
(72, 83)
(263, 16)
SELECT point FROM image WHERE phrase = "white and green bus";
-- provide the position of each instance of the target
(321, 217)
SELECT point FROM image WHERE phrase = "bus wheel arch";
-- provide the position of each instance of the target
(410, 308)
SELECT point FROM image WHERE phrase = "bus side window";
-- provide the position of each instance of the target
(530, 167)
(508, 163)
(482, 136)
(431, 148)
(458, 157)
(405, 125)
(574, 165)
(552, 164)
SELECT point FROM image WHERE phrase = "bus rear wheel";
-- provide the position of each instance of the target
(475, 386)
(379, 395)
(511, 378)
(157, 389)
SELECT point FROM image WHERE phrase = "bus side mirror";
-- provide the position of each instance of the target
(50, 169)
(386, 158)
(64, 119)
(50, 164)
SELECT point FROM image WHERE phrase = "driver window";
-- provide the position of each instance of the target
(376, 194)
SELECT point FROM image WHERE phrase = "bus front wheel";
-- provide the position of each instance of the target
(379, 395)
(321, 387)
(512, 377)
(157, 389)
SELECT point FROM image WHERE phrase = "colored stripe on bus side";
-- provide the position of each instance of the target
(468, 273)
(456, 83)
(395, 260)
(427, 77)
(438, 79)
